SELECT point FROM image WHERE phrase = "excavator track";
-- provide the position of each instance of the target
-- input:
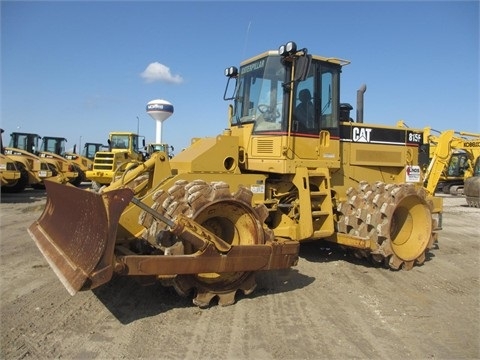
(397, 218)
(229, 216)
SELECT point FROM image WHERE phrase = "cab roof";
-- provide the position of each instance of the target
(334, 60)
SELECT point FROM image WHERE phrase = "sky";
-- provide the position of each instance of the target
(81, 69)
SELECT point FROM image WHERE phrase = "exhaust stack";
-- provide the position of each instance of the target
(360, 93)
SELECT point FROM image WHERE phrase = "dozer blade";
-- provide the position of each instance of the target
(77, 231)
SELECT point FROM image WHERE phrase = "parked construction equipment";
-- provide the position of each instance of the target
(33, 169)
(11, 178)
(123, 153)
(53, 149)
(152, 148)
(453, 157)
(84, 161)
(291, 167)
(472, 186)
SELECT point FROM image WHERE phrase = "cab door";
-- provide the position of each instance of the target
(315, 125)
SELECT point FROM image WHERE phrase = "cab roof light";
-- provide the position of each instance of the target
(288, 49)
(231, 71)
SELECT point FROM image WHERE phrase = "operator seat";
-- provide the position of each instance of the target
(304, 112)
(121, 144)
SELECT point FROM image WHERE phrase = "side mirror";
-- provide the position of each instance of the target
(231, 97)
(302, 67)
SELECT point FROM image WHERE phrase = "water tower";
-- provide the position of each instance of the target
(160, 110)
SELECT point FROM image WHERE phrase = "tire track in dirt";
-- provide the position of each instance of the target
(329, 306)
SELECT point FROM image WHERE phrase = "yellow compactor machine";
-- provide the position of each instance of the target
(11, 177)
(291, 166)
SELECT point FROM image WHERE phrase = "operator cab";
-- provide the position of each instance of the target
(90, 149)
(25, 141)
(121, 141)
(476, 168)
(55, 145)
(287, 91)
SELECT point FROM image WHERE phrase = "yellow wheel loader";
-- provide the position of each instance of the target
(291, 167)
(152, 147)
(123, 152)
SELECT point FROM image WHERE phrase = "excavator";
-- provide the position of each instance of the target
(472, 186)
(453, 157)
(291, 167)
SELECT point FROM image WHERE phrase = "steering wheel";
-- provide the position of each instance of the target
(268, 112)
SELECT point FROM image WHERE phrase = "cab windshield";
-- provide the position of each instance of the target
(260, 94)
(54, 145)
(27, 142)
(120, 141)
(261, 98)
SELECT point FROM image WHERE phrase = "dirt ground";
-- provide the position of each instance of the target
(329, 306)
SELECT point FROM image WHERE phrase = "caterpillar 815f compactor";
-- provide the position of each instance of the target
(291, 167)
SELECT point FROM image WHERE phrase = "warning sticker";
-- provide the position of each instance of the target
(413, 173)
(257, 189)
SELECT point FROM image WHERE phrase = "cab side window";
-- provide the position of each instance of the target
(304, 114)
(327, 120)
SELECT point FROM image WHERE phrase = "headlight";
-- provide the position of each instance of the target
(231, 71)
(287, 49)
